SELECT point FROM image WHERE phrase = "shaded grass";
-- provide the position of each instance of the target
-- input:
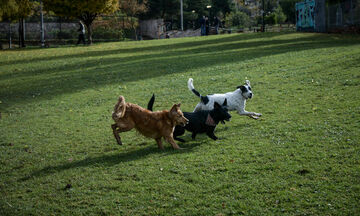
(58, 155)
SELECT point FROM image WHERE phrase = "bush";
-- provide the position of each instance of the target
(237, 19)
(275, 17)
(107, 34)
(270, 19)
(280, 16)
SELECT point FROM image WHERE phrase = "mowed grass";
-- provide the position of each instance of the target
(58, 155)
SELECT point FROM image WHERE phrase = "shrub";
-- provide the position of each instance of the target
(275, 17)
(108, 34)
(237, 19)
(270, 19)
(280, 16)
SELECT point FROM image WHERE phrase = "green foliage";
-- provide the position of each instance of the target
(87, 11)
(170, 10)
(8, 9)
(15, 9)
(237, 19)
(270, 5)
(288, 7)
(132, 9)
(165, 9)
(276, 17)
(58, 155)
(79, 8)
(221, 6)
(24, 8)
(108, 34)
(280, 16)
(270, 19)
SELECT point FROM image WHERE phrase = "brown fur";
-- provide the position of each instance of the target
(150, 124)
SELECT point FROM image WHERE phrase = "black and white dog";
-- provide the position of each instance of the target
(236, 100)
(203, 121)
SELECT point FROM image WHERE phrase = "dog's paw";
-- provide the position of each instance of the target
(254, 117)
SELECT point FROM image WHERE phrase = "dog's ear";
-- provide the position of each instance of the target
(179, 104)
(247, 82)
(216, 105)
(242, 88)
(174, 108)
(225, 102)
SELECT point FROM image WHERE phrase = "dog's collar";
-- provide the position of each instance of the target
(210, 121)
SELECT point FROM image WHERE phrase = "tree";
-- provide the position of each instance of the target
(86, 11)
(288, 7)
(7, 9)
(169, 10)
(162, 8)
(221, 6)
(132, 9)
(12, 10)
(193, 10)
(275, 17)
(237, 19)
(280, 16)
(24, 10)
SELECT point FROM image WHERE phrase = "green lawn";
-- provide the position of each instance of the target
(58, 155)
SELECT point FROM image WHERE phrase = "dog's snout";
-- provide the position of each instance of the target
(250, 95)
(185, 122)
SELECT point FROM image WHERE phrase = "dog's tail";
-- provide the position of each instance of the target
(151, 103)
(191, 87)
(120, 108)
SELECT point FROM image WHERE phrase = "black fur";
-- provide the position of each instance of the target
(151, 103)
(242, 88)
(196, 93)
(204, 99)
(197, 120)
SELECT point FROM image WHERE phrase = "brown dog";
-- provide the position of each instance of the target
(150, 124)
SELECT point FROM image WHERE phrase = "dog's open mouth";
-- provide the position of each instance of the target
(184, 123)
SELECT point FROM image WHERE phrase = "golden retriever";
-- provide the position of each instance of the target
(150, 124)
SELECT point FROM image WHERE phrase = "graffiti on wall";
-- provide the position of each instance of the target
(305, 18)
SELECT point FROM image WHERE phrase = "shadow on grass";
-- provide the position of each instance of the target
(170, 46)
(72, 73)
(110, 160)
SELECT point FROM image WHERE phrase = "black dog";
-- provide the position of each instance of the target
(204, 121)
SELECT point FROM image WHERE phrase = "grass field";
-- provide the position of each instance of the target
(58, 155)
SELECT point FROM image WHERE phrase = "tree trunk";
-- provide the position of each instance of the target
(136, 36)
(89, 32)
(131, 21)
(10, 45)
(59, 36)
(88, 19)
(21, 33)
